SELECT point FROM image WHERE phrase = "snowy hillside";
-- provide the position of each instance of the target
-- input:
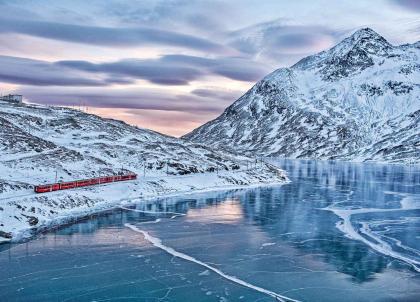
(359, 100)
(37, 143)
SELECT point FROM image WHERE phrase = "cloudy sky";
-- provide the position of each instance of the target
(173, 65)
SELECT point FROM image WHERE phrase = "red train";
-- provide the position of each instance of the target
(83, 183)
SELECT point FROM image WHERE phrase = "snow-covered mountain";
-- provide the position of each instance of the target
(359, 100)
(39, 143)
(77, 145)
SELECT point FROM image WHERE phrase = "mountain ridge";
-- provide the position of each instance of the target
(349, 102)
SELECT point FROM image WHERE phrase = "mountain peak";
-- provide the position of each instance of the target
(365, 39)
(356, 49)
(366, 32)
(355, 101)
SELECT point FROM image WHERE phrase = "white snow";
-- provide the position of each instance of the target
(359, 101)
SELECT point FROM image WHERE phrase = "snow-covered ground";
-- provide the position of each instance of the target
(24, 212)
(41, 144)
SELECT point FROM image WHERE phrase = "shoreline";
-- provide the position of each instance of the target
(132, 192)
(349, 161)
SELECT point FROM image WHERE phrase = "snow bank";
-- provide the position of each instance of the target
(25, 213)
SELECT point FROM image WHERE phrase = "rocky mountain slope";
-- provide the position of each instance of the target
(359, 100)
(41, 144)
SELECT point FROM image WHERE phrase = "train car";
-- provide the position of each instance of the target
(95, 181)
(68, 185)
(129, 177)
(47, 188)
(82, 183)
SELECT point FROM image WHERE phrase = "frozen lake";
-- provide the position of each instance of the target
(337, 232)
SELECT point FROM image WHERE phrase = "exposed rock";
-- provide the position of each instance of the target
(359, 100)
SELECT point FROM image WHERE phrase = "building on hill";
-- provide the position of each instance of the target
(12, 98)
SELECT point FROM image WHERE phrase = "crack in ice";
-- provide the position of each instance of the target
(346, 226)
(158, 243)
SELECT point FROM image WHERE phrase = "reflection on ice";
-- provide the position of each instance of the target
(367, 236)
(230, 211)
(354, 226)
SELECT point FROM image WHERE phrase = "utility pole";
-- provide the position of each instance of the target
(56, 174)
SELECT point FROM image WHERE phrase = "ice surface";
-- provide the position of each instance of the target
(281, 239)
